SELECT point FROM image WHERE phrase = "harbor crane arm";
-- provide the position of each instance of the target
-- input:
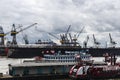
(110, 37)
(80, 32)
(53, 35)
(48, 33)
(14, 32)
(95, 41)
(111, 40)
(70, 37)
(27, 27)
(94, 38)
(67, 31)
(15, 29)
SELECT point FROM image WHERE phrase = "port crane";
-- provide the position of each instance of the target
(75, 38)
(112, 42)
(96, 43)
(85, 42)
(64, 38)
(14, 32)
(2, 34)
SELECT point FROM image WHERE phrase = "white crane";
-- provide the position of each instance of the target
(96, 43)
(112, 42)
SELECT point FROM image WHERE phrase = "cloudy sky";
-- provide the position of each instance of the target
(100, 17)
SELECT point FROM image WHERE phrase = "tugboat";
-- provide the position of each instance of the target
(86, 70)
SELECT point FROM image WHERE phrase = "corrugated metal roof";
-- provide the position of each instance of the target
(33, 64)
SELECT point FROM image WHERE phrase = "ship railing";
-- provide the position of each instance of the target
(34, 46)
(48, 61)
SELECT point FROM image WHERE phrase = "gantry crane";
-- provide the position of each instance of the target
(112, 42)
(14, 32)
(96, 43)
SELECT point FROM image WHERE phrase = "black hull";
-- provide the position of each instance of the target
(18, 52)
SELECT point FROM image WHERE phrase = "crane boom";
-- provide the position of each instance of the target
(14, 32)
(110, 38)
(112, 42)
(96, 42)
(70, 37)
(53, 35)
(94, 38)
(15, 29)
(48, 33)
(27, 27)
(67, 30)
(80, 32)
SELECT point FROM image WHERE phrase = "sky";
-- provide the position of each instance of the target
(99, 17)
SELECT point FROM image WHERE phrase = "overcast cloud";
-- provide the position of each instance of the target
(98, 16)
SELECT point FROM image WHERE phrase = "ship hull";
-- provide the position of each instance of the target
(19, 52)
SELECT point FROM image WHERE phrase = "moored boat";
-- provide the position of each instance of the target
(96, 70)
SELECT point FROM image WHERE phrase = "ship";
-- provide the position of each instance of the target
(98, 70)
(68, 43)
(57, 64)
(29, 52)
(68, 56)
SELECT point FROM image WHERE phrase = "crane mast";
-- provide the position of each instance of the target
(13, 33)
(2, 35)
